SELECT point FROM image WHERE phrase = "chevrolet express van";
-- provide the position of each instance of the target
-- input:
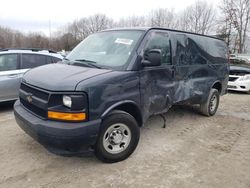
(100, 95)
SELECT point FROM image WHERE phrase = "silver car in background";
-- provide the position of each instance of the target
(15, 62)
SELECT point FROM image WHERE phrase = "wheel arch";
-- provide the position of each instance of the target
(127, 106)
(217, 85)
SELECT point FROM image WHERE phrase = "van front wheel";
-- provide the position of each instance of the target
(210, 107)
(118, 137)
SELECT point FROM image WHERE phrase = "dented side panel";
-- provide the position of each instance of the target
(200, 62)
(157, 89)
(157, 84)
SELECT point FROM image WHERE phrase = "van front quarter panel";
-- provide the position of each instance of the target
(105, 91)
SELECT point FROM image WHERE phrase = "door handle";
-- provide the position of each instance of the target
(13, 75)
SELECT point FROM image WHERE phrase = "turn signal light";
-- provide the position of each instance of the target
(67, 116)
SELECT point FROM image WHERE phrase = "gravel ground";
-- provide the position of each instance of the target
(192, 151)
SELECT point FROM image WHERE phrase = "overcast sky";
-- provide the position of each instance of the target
(34, 15)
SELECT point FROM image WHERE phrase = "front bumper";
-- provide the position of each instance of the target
(59, 137)
(239, 86)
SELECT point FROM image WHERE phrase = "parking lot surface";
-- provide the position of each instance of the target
(192, 151)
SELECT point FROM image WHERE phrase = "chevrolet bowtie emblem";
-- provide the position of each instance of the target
(29, 98)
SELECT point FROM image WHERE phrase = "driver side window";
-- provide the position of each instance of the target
(160, 41)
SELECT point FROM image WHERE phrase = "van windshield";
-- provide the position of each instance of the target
(109, 49)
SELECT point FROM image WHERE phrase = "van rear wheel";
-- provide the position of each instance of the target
(118, 137)
(210, 107)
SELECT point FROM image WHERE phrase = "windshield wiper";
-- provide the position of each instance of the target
(85, 60)
(89, 63)
(78, 62)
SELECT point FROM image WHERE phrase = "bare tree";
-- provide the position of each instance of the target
(99, 22)
(161, 18)
(10, 38)
(6, 35)
(198, 18)
(37, 40)
(67, 42)
(132, 21)
(225, 29)
(80, 29)
(237, 15)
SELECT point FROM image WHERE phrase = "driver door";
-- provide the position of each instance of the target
(157, 82)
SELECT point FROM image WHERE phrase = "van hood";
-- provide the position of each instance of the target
(60, 77)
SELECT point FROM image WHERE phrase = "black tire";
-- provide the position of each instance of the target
(209, 108)
(117, 118)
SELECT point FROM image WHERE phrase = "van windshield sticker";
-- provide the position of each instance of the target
(124, 41)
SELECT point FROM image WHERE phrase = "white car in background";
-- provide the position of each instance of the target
(15, 62)
(239, 76)
(236, 58)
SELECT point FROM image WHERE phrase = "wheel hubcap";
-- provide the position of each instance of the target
(117, 138)
(213, 103)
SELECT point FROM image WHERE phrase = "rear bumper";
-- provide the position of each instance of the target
(59, 137)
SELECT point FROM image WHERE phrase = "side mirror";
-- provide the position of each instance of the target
(152, 58)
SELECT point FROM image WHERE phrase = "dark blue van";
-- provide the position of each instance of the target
(112, 82)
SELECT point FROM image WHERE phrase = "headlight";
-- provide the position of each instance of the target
(68, 107)
(75, 102)
(244, 78)
(67, 101)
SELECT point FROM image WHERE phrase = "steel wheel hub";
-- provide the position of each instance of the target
(213, 103)
(117, 138)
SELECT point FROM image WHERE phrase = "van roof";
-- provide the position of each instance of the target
(160, 28)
